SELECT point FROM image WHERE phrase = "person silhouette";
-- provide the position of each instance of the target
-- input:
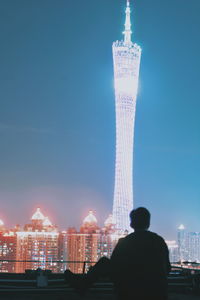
(140, 261)
(138, 266)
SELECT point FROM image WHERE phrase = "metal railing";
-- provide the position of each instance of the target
(53, 265)
(182, 278)
(62, 265)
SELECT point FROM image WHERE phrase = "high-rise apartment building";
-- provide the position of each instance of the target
(7, 249)
(40, 245)
(37, 245)
(109, 237)
(75, 250)
(62, 250)
(126, 58)
(173, 251)
(83, 245)
(90, 243)
(194, 246)
(188, 245)
(182, 243)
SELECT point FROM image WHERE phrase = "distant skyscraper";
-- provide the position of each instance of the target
(194, 246)
(182, 243)
(126, 58)
(173, 251)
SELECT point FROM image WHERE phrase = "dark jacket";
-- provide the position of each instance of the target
(139, 266)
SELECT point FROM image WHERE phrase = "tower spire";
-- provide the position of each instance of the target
(127, 32)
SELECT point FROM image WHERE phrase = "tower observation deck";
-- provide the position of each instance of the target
(126, 59)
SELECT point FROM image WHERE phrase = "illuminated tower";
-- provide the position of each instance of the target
(126, 58)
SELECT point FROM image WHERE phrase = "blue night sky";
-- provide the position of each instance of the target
(57, 110)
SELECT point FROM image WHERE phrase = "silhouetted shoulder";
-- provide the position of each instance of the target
(156, 236)
(141, 234)
(159, 239)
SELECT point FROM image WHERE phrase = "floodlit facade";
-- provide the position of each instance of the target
(62, 250)
(7, 249)
(90, 243)
(126, 58)
(194, 246)
(109, 237)
(188, 245)
(83, 245)
(37, 245)
(173, 251)
(182, 243)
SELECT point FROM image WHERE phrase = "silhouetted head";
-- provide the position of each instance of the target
(140, 218)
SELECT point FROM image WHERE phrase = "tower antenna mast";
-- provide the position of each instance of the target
(127, 32)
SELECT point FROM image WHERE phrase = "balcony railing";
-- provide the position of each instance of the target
(56, 266)
(59, 266)
(184, 278)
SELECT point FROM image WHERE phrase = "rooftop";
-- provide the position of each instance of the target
(90, 219)
(38, 215)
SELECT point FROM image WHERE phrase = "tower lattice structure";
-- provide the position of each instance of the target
(126, 58)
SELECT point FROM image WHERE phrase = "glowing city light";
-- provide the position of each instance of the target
(47, 222)
(23, 234)
(38, 215)
(90, 218)
(37, 242)
(109, 221)
(126, 57)
(181, 227)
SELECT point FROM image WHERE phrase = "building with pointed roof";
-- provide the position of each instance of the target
(90, 219)
(38, 215)
(90, 243)
(37, 244)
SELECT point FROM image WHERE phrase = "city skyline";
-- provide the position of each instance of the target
(40, 241)
(90, 216)
(41, 244)
(57, 119)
